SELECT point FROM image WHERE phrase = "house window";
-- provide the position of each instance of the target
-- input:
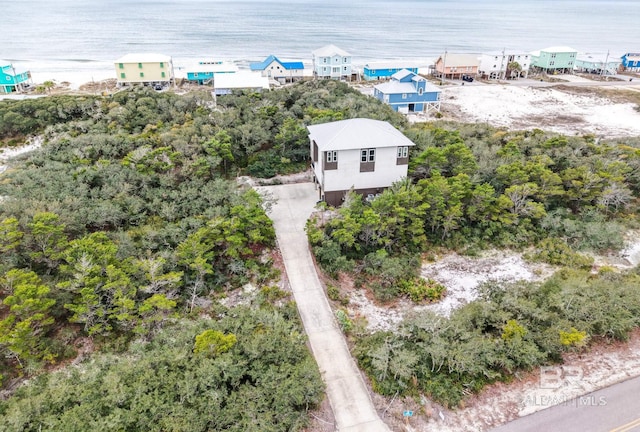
(163, 74)
(345, 68)
(404, 95)
(141, 74)
(121, 66)
(331, 160)
(122, 75)
(335, 70)
(344, 60)
(140, 65)
(368, 155)
(324, 60)
(403, 156)
(420, 91)
(367, 160)
(161, 64)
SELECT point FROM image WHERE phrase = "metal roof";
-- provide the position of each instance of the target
(144, 58)
(399, 64)
(355, 134)
(266, 62)
(223, 67)
(559, 49)
(330, 51)
(459, 60)
(241, 80)
(396, 87)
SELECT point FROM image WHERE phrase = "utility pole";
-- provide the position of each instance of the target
(606, 62)
(501, 75)
(444, 65)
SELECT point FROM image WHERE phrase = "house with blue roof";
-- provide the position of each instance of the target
(384, 70)
(631, 61)
(408, 92)
(11, 81)
(281, 71)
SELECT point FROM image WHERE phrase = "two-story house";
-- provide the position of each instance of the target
(360, 154)
(560, 59)
(272, 67)
(408, 92)
(11, 81)
(504, 65)
(597, 64)
(144, 69)
(205, 71)
(331, 62)
(454, 66)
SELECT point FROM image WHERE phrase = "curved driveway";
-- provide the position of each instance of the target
(348, 395)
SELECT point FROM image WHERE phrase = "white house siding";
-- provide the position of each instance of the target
(348, 174)
(494, 65)
(275, 70)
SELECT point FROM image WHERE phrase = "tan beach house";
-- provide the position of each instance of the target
(148, 69)
(454, 66)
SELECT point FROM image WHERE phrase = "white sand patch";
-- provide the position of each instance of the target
(8, 153)
(378, 318)
(462, 275)
(543, 108)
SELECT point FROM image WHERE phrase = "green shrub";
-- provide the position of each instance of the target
(556, 251)
(420, 289)
(345, 323)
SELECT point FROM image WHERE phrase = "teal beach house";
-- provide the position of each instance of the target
(554, 60)
(12, 81)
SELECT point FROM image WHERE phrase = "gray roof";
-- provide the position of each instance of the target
(459, 60)
(355, 134)
(395, 87)
(330, 51)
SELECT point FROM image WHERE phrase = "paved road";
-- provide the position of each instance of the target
(613, 409)
(347, 393)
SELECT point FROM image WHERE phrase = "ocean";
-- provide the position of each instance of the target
(75, 36)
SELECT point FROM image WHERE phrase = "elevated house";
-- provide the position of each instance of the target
(144, 69)
(408, 92)
(554, 60)
(13, 81)
(597, 64)
(385, 70)
(226, 83)
(204, 72)
(454, 66)
(631, 61)
(360, 154)
(331, 62)
(504, 65)
(272, 67)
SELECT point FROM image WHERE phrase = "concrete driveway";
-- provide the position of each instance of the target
(347, 393)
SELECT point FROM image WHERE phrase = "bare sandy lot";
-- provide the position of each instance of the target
(568, 111)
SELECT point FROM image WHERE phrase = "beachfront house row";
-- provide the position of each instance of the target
(12, 81)
(331, 62)
(560, 59)
(144, 69)
(454, 66)
(408, 92)
(358, 154)
(205, 71)
(385, 70)
(274, 68)
(504, 65)
(225, 84)
(631, 61)
(597, 64)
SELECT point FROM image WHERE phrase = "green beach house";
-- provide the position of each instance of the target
(554, 60)
(11, 81)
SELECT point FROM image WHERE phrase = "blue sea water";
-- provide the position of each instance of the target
(84, 35)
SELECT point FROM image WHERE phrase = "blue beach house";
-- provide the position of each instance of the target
(11, 81)
(331, 62)
(384, 70)
(272, 67)
(408, 92)
(205, 72)
(631, 61)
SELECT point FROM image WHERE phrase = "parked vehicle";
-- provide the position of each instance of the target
(467, 78)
